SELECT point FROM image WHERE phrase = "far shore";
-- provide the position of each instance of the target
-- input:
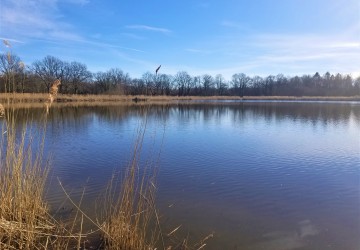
(62, 98)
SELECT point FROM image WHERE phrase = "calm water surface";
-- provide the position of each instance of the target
(260, 175)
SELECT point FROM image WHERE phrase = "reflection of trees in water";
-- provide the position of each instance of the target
(315, 113)
(323, 113)
(80, 117)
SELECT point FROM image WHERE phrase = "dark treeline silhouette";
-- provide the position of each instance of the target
(77, 79)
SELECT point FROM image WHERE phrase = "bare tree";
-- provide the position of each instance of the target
(240, 82)
(10, 67)
(183, 83)
(208, 84)
(165, 81)
(269, 84)
(49, 69)
(220, 84)
(257, 84)
(149, 81)
(138, 87)
(77, 76)
(119, 81)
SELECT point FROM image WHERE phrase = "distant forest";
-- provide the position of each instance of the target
(77, 79)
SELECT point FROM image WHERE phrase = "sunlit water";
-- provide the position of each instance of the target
(259, 175)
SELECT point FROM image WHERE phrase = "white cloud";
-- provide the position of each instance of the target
(42, 21)
(231, 24)
(309, 48)
(10, 40)
(65, 36)
(289, 54)
(81, 2)
(148, 28)
(133, 36)
(198, 51)
(38, 18)
(31, 19)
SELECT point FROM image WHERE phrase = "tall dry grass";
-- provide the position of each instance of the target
(2, 110)
(23, 212)
(25, 222)
(131, 220)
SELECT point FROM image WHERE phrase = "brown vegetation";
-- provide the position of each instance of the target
(61, 98)
(131, 220)
(54, 90)
(24, 219)
(2, 110)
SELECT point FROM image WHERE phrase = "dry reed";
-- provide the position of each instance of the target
(52, 94)
(2, 110)
(42, 97)
(24, 222)
(131, 220)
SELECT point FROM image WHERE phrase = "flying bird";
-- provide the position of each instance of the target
(6, 43)
(156, 71)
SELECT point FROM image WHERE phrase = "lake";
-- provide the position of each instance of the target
(259, 175)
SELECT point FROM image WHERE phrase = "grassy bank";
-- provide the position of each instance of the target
(41, 98)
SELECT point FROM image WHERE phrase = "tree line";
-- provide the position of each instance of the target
(77, 79)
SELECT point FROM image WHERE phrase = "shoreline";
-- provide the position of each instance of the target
(61, 98)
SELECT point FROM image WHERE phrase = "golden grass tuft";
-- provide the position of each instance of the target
(23, 212)
(2, 110)
(25, 222)
(131, 220)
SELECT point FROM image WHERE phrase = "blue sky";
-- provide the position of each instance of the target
(256, 37)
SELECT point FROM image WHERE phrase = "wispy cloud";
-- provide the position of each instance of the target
(231, 24)
(31, 18)
(10, 40)
(203, 5)
(267, 54)
(81, 2)
(42, 21)
(133, 36)
(308, 48)
(198, 51)
(149, 28)
(65, 36)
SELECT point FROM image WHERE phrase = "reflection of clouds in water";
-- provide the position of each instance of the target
(307, 229)
(288, 240)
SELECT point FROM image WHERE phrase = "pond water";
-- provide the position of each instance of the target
(259, 175)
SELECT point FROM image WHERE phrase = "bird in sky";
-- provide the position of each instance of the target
(156, 71)
(6, 43)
